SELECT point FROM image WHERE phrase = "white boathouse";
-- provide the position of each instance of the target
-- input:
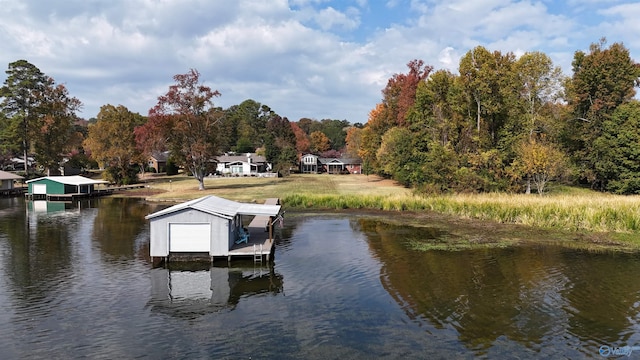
(214, 227)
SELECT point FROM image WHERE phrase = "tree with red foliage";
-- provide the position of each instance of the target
(302, 139)
(185, 122)
(400, 93)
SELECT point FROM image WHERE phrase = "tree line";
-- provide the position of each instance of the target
(507, 123)
(502, 123)
(39, 118)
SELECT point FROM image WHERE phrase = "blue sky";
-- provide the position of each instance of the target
(303, 58)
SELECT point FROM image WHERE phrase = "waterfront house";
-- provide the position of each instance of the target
(211, 226)
(7, 179)
(6, 183)
(342, 165)
(241, 165)
(313, 164)
(61, 187)
(310, 164)
(158, 161)
(17, 164)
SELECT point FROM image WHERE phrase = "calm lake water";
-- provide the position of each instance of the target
(76, 282)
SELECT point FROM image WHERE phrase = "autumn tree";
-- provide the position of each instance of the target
(398, 99)
(112, 143)
(39, 114)
(400, 93)
(540, 84)
(371, 137)
(353, 141)
(21, 100)
(539, 161)
(319, 142)
(302, 139)
(186, 120)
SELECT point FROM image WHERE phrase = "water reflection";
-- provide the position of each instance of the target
(190, 290)
(44, 241)
(77, 282)
(540, 297)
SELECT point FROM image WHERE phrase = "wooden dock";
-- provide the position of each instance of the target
(12, 192)
(261, 239)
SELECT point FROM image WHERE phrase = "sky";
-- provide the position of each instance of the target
(318, 59)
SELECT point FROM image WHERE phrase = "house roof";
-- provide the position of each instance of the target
(160, 156)
(241, 158)
(220, 207)
(343, 160)
(349, 161)
(70, 180)
(4, 175)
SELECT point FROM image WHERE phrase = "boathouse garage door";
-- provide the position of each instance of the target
(40, 189)
(189, 237)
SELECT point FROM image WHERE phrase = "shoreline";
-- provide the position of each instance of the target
(462, 232)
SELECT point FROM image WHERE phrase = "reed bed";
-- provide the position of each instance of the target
(594, 212)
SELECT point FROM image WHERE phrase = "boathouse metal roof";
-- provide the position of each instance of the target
(4, 175)
(220, 207)
(70, 180)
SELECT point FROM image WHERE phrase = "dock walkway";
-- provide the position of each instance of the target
(12, 192)
(261, 240)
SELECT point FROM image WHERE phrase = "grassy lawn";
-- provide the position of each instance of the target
(255, 189)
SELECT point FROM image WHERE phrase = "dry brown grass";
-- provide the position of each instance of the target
(256, 189)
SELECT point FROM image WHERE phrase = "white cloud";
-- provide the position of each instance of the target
(329, 18)
(622, 20)
(448, 58)
(303, 58)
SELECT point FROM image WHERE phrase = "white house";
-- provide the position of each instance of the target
(213, 227)
(245, 164)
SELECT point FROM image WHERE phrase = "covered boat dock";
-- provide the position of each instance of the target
(212, 227)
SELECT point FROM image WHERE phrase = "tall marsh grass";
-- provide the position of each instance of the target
(565, 208)
(590, 212)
